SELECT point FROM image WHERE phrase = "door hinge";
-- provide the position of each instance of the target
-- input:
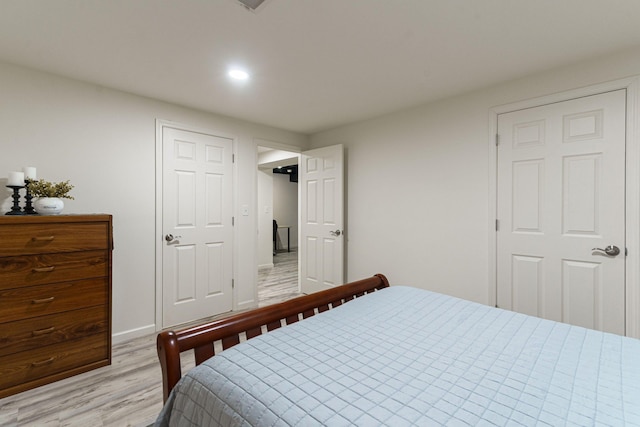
(233, 221)
(233, 283)
(497, 139)
(233, 158)
(497, 225)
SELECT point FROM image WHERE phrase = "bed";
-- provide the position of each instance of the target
(369, 354)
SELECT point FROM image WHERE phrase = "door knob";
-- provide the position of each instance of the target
(335, 233)
(171, 237)
(609, 250)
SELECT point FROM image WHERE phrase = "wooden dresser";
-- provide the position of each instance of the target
(55, 298)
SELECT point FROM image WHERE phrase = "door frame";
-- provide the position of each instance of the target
(260, 142)
(632, 191)
(160, 125)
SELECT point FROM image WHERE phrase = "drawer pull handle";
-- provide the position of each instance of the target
(42, 362)
(43, 331)
(42, 300)
(43, 238)
(44, 269)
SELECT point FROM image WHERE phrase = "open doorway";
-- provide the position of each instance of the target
(278, 213)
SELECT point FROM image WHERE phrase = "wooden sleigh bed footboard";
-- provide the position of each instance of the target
(229, 330)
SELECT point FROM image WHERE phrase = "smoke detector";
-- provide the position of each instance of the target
(252, 5)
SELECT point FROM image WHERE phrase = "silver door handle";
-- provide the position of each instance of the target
(171, 237)
(609, 250)
(335, 233)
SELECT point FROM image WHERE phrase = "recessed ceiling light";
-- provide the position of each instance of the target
(251, 5)
(238, 74)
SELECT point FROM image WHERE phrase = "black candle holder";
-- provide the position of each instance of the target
(28, 206)
(15, 210)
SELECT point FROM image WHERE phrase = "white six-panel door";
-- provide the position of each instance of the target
(196, 214)
(561, 193)
(321, 218)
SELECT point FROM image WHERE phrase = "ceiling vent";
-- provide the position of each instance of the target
(252, 5)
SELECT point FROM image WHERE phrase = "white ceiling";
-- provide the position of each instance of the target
(315, 64)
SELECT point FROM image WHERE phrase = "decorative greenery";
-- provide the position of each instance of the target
(42, 188)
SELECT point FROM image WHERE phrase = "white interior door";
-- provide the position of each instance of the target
(197, 225)
(561, 193)
(320, 176)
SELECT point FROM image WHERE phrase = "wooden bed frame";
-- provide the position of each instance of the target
(201, 338)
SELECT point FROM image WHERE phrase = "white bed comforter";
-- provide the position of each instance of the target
(404, 356)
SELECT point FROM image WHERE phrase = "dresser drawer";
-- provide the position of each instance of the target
(23, 239)
(32, 270)
(41, 300)
(38, 332)
(27, 369)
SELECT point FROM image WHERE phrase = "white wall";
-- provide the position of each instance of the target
(265, 218)
(285, 209)
(104, 141)
(418, 181)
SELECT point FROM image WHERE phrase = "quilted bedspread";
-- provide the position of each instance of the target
(405, 356)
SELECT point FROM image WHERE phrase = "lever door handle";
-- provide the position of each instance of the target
(609, 250)
(335, 233)
(171, 237)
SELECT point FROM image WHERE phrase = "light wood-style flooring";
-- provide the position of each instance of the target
(129, 391)
(280, 282)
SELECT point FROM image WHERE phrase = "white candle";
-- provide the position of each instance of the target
(29, 173)
(16, 179)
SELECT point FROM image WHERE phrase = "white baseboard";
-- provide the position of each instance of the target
(133, 333)
(266, 265)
